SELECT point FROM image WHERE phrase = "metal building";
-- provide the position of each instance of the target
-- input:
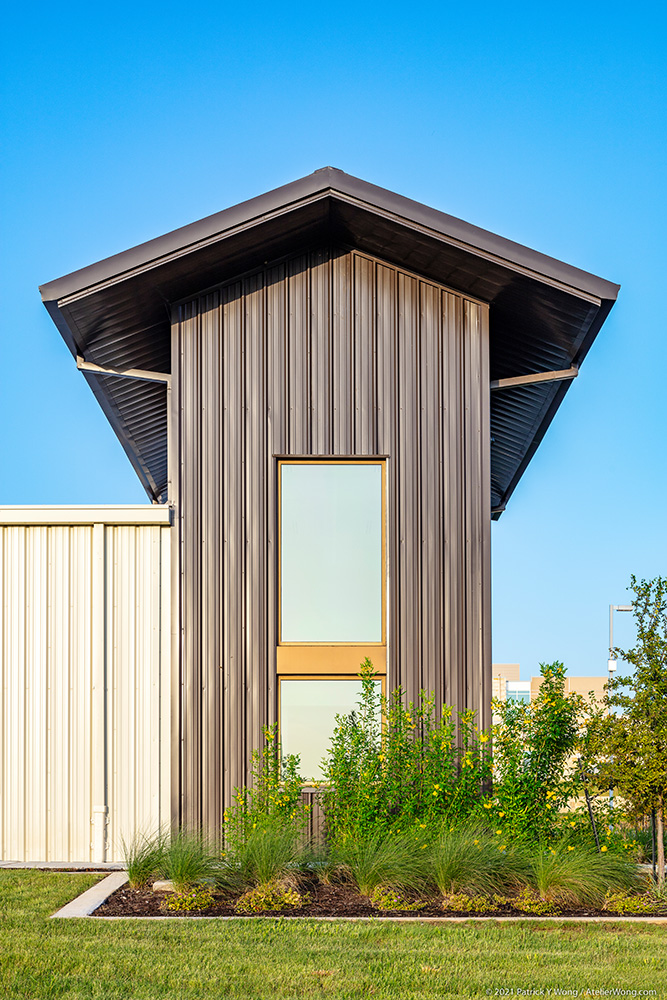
(336, 389)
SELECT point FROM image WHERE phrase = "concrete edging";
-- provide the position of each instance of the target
(85, 904)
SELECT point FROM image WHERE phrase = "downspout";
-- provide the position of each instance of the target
(99, 791)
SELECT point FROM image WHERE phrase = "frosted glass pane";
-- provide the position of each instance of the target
(308, 712)
(331, 553)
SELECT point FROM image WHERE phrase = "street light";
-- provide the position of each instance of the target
(611, 662)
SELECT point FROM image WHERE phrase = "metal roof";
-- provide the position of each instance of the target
(544, 314)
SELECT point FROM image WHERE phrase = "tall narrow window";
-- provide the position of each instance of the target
(332, 594)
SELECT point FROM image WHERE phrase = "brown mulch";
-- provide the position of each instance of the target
(325, 901)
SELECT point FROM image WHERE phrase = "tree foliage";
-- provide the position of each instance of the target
(531, 747)
(630, 739)
(391, 766)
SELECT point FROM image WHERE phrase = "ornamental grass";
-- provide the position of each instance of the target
(189, 859)
(467, 860)
(271, 851)
(143, 858)
(396, 862)
(577, 875)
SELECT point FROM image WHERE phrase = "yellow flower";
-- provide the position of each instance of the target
(422, 826)
(487, 805)
(570, 848)
(423, 846)
(573, 823)
(483, 738)
(498, 832)
(604, 847)
(502, 847)
(475, 841)
(501, 815)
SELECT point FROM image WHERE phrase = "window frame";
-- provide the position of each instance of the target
(292, 658)
(382, 678)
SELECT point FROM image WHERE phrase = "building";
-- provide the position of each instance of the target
(332, 390)
(507, 684)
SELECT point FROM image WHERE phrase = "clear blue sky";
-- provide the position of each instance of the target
(544, 123)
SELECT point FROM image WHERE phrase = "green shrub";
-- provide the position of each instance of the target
(392, 767)
(468, 859)
(188, 900)
(529, 901)
(621, 902)
(275, 895)
(394, 861)
(532, 744)
(384, 898)
(462, 902)
(274, 793)
(577, 875)
(189, 860)
(143, 858)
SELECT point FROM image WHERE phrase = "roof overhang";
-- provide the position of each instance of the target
(544, 314)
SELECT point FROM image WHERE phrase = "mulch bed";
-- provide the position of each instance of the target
(325, 901)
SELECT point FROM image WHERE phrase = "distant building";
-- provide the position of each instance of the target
(506, 684)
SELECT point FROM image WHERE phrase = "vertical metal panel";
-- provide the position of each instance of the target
(331, 353)
(84, 685)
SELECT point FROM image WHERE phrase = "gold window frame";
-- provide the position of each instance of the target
(382, 678)
(334, 658)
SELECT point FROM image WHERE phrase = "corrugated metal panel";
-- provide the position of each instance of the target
(544, 314)
(332, 353)
(84, 681)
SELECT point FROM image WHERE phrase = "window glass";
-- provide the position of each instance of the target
(308, 710)
(331, 552)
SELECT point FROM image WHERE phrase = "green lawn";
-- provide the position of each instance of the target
(283, 959)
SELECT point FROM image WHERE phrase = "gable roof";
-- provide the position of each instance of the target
(544, 314)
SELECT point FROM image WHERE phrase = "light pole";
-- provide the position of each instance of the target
(611, 662)
(611, 667)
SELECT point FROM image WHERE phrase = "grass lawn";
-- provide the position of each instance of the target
(283, 959)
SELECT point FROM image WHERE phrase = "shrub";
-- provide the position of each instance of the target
(277, 894)
(621, 902)
(467, 859)
(396, 862)
(529, 901)
(188, 900)
(264, 829)
(143, 858)
(392, 767)
(462, 902)
(189, 860)
(384, 898)
(274, 793)
(532, 744)
(575, 874)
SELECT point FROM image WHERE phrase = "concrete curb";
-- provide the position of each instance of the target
(85, 904)
(424, 920)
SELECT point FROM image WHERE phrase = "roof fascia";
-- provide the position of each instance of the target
(329, 182)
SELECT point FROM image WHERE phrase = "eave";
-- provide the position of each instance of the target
(544, 314)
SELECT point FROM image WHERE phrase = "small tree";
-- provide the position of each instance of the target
(631, 745)
(531, 747)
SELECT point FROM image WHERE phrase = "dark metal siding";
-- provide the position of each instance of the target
(327, 354)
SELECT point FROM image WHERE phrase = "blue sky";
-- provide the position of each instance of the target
(543, 123)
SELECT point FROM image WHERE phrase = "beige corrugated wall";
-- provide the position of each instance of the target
(84, 680)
